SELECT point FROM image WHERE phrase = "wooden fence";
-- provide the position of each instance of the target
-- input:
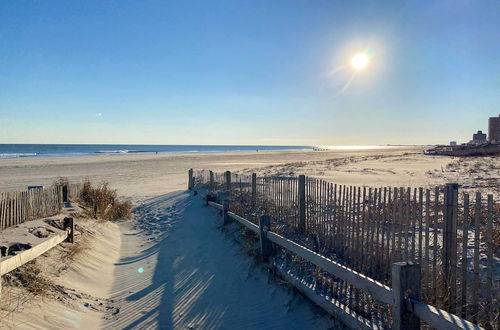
(74, 190)
(369, 229)
(403, 297)
(11, 262)
(20, 206)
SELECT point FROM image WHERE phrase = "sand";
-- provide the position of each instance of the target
(76, 287)
(189, 275)
(194, 276)
(142, 176)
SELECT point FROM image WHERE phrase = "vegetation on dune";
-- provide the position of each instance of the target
(104, 202)
(100, 199)
(61, 181)
(37, 277)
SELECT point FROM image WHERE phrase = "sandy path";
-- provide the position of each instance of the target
(195, 277)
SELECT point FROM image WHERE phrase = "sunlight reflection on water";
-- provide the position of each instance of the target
(353, 147)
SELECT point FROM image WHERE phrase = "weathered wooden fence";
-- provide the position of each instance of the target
(20, 206)
(74, 190)
(11, 262)
(369, 229)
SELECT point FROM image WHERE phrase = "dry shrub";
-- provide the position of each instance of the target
(87, 193)
(120, 210)
(30, 277)
(104, 202)
(496, 241)
(237, 209)
(61, 181)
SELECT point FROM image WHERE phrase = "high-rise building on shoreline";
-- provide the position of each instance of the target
(494, 130)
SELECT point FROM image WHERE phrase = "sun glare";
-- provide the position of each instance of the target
(359, 61)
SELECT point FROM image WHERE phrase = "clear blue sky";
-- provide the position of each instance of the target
(247, 72)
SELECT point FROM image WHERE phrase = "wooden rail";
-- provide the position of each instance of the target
(370, 228)
(379, 291)
(438, 318)
(405, 305)
(333, 307)
(250, 225)
(217, 206)
(9, 263)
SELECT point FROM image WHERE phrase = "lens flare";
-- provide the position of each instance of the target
(360, 61)
(140, 270)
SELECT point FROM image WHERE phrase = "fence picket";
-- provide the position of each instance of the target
(490, 308)
(477, 236)
(465, 238)
(371, 228)
(20, 206)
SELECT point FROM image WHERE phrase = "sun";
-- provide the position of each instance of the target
(360, 61)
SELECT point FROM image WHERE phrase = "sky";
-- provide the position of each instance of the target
(247, 72)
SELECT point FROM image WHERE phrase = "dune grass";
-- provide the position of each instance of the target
(104, 202)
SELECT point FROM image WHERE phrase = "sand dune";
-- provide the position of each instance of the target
(76, 289)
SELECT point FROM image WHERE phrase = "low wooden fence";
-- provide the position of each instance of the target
(75, 190)
(10, 263)
(403, 297)
(21, 206)
(370, 229)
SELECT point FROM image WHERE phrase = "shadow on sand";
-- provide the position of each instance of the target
(156, 268)
(178, 272)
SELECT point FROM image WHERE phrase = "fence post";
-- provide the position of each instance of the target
(211, 180)
(405, 284)
(450, 245)
(225, 216)
(65, 193)
(69, 224)
(190, 179)
(302, 203)
(265, 244)
(254, 188)
(228, 180)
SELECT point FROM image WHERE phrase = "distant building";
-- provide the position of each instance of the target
(478, 138)
(478, 146)
(494, 130)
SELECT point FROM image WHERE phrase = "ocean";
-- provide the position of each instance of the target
(67, 150)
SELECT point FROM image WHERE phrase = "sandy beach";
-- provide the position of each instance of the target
(154, 271)
(141, 176)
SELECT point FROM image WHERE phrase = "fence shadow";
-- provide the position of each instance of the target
(189, 276)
